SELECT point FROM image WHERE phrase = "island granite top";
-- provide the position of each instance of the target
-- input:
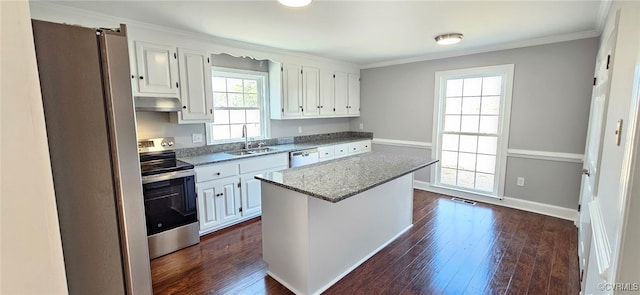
(340, 179)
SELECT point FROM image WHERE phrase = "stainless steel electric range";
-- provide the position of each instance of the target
(169, 197)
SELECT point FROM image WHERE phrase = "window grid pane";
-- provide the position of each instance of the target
(237, 101)
(470, 132)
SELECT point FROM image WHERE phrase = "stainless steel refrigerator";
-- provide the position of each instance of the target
(90, 120)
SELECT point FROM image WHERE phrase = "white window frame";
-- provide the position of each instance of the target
(506, 71)
(263, 83)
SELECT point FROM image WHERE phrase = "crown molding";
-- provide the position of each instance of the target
(506, 46)
(73, 11)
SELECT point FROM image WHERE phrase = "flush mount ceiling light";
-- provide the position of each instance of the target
(448, 39)
(295, 3)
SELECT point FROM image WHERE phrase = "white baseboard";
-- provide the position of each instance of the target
(546, 209)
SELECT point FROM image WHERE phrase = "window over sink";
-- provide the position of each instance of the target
(239, 98)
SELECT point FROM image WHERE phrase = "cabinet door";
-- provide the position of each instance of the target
(229, 200)
(251, 195)
(327, 97)
(311, 91)
(341, 93)
(207, 206)
(195, 91)
(354, 94)
(292, 90)
(157, 68)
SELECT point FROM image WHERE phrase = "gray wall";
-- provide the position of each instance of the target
(550, 110)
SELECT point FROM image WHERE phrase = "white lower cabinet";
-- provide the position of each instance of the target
(342, 150)
(218, 202)
(227, 197)
(251, 195)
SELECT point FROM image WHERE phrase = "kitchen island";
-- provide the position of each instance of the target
(321, 221)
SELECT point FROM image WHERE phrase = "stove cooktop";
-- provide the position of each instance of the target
(152, 163)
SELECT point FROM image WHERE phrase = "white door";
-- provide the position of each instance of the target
(341, 93)
(292, 90)
(157, 68)
(327, 97)
(195, 86)
(311, 93)
(207, 206)
(229, 200)
(354, 94)
(251, 195)
(593, 148)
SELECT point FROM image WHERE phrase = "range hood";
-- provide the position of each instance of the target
(157, 104)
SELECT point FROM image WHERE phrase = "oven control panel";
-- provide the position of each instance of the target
(156, 144)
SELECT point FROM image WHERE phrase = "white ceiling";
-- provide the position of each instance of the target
(370, 33)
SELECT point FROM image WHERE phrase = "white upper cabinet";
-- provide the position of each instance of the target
(195, 91)
(291, 90)
(157, 69)
(327, 93)
(301, 92)
(311, 91)
(354, 95)
(341, 94)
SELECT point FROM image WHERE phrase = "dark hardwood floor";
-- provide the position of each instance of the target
(452, 248)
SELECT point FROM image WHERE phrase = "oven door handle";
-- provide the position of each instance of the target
(167, 176)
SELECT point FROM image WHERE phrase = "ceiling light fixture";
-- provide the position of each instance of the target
(448, 39)
(295, 3)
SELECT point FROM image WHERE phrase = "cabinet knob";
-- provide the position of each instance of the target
(218, 173)
(133, 76)
(184, 107)
(141, 77)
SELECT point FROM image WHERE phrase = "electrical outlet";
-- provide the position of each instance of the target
(299, 129)
(361, 126)
(520, 181)
(196, 137)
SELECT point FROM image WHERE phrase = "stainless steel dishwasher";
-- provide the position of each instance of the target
(304, 157)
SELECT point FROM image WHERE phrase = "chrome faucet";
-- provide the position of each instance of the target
(246, 136)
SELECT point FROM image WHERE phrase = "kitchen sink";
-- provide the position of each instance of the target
(250, 151)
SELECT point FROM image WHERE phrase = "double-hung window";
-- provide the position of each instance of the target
(239, 98)
(471, 128)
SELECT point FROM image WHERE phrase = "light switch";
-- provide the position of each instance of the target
(520, 181)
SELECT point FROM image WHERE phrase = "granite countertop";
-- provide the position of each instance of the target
(340, 179)
(274, 149)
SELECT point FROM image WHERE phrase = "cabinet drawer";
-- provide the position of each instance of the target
(341, 150)
(264, 162)
(360, 147)
(216, 171)
(326, 152)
